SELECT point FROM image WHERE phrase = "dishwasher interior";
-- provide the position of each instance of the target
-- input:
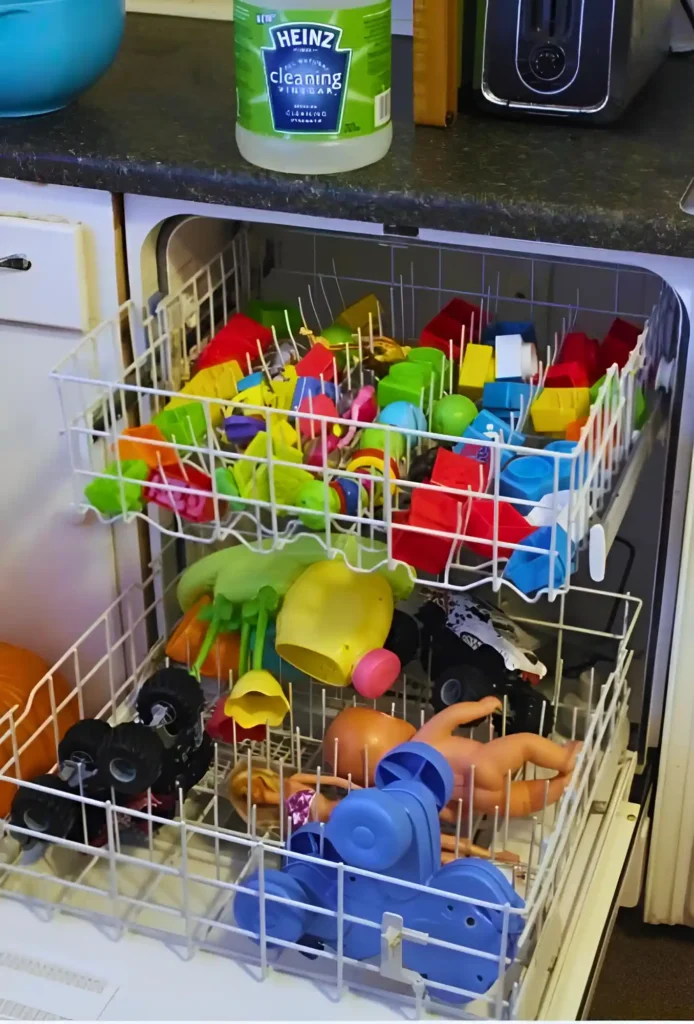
(217, 868)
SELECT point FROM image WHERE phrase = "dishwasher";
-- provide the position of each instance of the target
(179, 869)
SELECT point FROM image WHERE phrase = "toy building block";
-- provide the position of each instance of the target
(311, 386)
(503, 327)
(577, 347)
(183, 424)
(618, 344)
(238, 338)
(405, 382)
(528, 478)
(317, 362)
(511, 396)
(433, 361)
(459, 472)
(478, 523)
(123, 494)
(320, 405)
(252, 380)
(570, 471)
(440, 332)
(467, 315)
(218, 382)
(555, 408)
(241, 430)
(509, 357)
(574, 430)
(566, 375)
(486, 423)
(147, 444)
(356, 316)
(474, 373)
(284, 387)
(529, 571)
(481, 453)
(275, 314)
(179, 483)
(428, 511)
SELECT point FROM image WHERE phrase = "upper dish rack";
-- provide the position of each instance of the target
(126, 371)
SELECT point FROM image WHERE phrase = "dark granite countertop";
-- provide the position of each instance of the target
(161, 123)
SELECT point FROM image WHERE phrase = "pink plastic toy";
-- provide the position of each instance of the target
(364, 409)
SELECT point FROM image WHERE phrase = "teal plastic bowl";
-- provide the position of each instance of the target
(52, 50)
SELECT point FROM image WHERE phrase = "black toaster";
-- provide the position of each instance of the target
(584, 59)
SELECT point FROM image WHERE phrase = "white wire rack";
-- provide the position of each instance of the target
(127, 370)
(177, 879)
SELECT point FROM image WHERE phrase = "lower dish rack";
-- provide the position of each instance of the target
(212, 871)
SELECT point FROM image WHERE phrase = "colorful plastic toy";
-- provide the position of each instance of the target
(478, 522)
(312, 498)
(241, 430)
(529, 478)
(221, 655)
(176, 486)
(363, 409)
(313, 451)
(494, 760)
(147, 444)
(618, 344)
(356, 316)
(459, 472)
(113, 497)
(486, 424)
(566, 466)
(509, 356)
(429, 511)
(183, 424)
(338, 335)
(404, 415)
(405, 382)
(237, 340)
(506, 396)
(452, 415)
(434, 363)
(555, 408)
(393, 828)
(319, 405)
(275, 314)
(447, 326)
(567, 375)
(374, 437)
(476, 371)
(217, 382)
(530, 571)
(577, 347)
(331, 618)
(500, 328)
(318, 362)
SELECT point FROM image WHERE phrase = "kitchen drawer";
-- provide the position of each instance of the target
(53, 290)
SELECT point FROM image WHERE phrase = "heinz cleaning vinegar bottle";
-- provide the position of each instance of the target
(313, 84)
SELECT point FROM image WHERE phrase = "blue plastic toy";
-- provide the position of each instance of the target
(486, 421)
(529, 477)
(250, 381)
(530, 571)
(313, 386)
(393, 829)
(566, 465)
(403, 415)
(522, 327)
(506, 396)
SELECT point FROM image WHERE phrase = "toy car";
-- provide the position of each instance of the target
(472, 651)
(164, 752)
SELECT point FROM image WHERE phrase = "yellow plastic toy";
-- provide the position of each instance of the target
(555, 408)
(332, 617)
(252, 477)
(284, 387)
(477, 370)
(356, 316)
(216, 382)
(257, 699)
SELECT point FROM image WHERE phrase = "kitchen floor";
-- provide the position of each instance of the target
(648, 972)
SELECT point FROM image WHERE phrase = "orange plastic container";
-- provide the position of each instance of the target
(185, 642)
(20, 671)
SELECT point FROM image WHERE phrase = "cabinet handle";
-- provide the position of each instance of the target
(16, 262)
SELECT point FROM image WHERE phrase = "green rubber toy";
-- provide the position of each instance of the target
(452, 415)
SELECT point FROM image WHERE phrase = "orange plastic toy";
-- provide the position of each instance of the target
(149, 444)
(494, 760)
(20, 671)
(185, 642)
(363, 737)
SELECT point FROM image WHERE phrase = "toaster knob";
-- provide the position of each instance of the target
(548, 61)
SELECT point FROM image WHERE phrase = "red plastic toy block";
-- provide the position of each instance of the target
(618, 344)
(238, 338)
(513, 527)
(321, 405)
(445, 326)
(320, 360)
(197, 508)
(460, 472)
(579, 348)
(566, 375)
(428, 511)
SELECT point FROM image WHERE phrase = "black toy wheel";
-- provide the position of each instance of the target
(178, 694)
(458, 684)
(48, 813)
(81, 743)
(131, 760)
(525, 711)
(403, 637)
(184, 767)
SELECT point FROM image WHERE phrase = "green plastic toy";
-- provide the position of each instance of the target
(275, 314)
(106, 495)
(453, 414)
(310, 497)
(183, 424)
(374, 437)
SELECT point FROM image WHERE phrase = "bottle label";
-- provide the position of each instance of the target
(313, 75)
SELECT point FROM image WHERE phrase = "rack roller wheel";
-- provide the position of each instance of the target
(46, 812)
(131, 760)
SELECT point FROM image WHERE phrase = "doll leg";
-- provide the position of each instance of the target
(509, 753)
